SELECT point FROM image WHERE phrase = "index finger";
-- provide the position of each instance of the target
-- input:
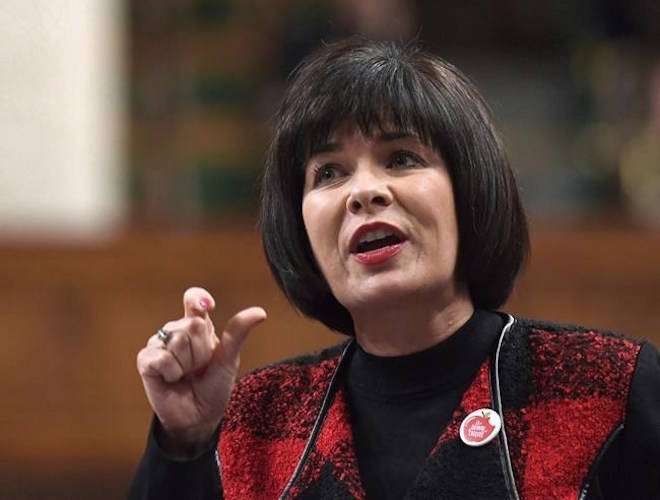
(197, 302)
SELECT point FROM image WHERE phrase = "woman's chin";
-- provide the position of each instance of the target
(399, 291)
(389, 295)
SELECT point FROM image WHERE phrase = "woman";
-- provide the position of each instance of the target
(390, 214)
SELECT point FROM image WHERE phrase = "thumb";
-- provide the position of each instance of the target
(237, 329)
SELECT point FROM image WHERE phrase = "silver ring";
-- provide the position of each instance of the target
(163, 335)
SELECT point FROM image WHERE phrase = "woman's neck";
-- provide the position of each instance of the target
(410, 327)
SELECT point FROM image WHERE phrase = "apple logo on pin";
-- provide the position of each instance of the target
(480, 427)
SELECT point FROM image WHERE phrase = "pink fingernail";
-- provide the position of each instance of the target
(205, 303)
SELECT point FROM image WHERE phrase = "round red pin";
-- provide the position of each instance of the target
(480, 427)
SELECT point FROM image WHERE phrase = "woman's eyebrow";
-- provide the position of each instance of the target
(326, 147)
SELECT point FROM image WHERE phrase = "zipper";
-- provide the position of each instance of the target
(496, 398)
(318, 423)
(217, 463)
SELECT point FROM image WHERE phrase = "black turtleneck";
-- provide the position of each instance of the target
(399, 405)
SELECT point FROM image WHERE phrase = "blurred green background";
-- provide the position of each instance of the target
(574, 87)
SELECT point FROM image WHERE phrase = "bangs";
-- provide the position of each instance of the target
(378, 94)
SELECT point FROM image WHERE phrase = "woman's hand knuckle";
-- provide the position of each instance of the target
(176, 341)
(142, 361)
(197, 325)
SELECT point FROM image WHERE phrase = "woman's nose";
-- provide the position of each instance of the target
(368, 193)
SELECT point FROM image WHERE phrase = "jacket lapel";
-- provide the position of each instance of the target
(455, 470)
(331, 470)
(452, 471)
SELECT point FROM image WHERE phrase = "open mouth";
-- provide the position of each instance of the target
(376, 244)
(376, 237)
(366, 244)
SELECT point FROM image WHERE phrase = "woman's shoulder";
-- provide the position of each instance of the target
(542, 333)
(289, 390)
(314, 364)
(570, 359)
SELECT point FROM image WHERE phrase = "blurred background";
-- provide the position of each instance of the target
(132, 135)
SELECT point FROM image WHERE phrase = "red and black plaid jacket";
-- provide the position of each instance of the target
(561, 391)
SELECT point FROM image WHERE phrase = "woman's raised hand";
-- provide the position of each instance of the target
(189, 372)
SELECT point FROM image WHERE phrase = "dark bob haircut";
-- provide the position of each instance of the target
(386, 86)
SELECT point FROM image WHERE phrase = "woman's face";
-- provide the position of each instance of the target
(379, 213)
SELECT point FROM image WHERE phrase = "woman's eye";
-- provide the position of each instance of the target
(405, 159)
(325, 173)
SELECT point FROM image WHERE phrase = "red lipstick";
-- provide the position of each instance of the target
(378, 256)
(389, 245)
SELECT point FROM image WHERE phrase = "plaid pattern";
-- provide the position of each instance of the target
(564, 391)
